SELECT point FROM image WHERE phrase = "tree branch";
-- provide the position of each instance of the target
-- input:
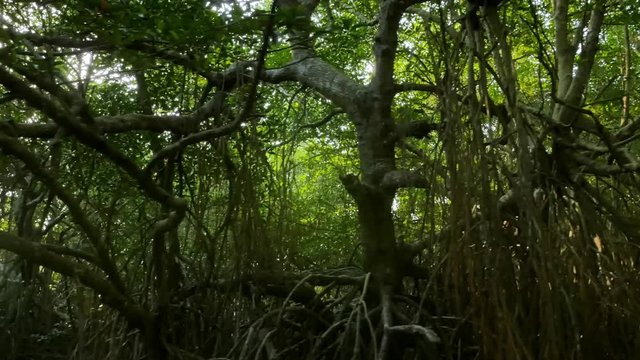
(403, 178)
(564, 51)
(88, 135)
(39, 254)
(320, 76)
(12, 146)
(416, 87)
(575, 92)
(417, 129)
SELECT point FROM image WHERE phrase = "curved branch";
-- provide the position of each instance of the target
(320, 76)
(63, 250)
(15, 148)
(39, 254)
(403, 178)
(87, 134)
(417, 129)
(205, 135)
(575, 91)
(220, 79)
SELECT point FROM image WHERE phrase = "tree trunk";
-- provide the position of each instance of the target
(374, 201)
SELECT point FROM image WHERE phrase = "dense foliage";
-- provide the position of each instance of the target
(392, 179)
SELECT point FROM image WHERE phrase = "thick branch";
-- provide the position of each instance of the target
(111, 296)
(63, 250)
(403, 178)
(310, 70)
(417, 129)
(12, 146)
(320, 76)
(87, 134)
(415, 329)
(386, 44)
(575, 93)
(564, 51)
(219, 78)
(108, 125)
(385, 47)
(354, 187)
